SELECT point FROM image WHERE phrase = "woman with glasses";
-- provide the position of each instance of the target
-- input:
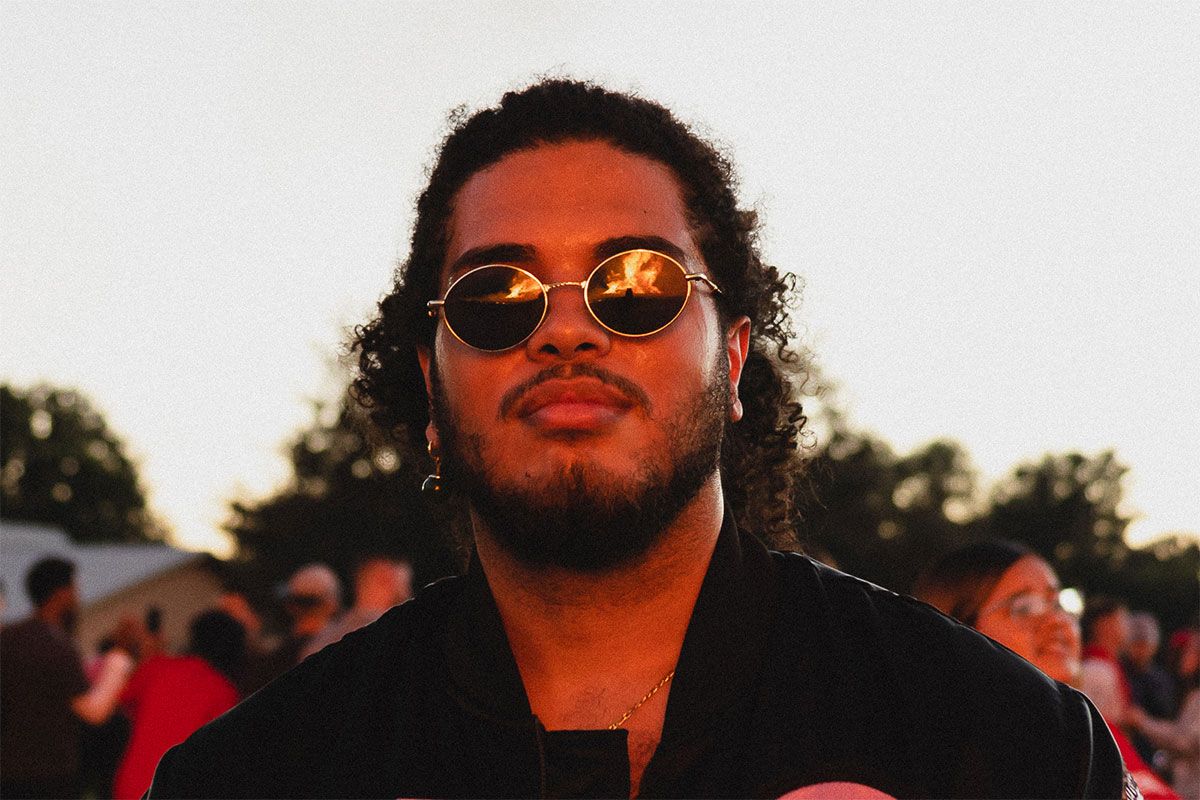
(1012, 595)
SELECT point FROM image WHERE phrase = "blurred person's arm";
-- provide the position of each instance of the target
(1181, 736)
(97, 704)
(1100, 683)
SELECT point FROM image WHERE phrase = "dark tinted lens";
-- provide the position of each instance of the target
(494, 308)
(638, 292)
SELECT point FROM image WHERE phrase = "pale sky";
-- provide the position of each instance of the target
(995, 208)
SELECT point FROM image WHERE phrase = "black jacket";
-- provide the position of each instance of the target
(791, 674)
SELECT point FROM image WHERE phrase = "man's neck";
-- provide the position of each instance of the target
(576, 632)
(591, 646)
(52, 615)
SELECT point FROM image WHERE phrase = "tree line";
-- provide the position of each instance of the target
(865, 508)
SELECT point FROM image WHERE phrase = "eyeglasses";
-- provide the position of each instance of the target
(635, 293)
(1028, 605)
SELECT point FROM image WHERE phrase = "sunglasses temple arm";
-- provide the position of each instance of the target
(705, 279)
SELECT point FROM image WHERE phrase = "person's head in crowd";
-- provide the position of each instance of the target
(1144, 639)
(1010, 594)
(1106, 624)
(220, 640)
(50, 585)
(381, 582)
(572, 132)
(312, 598)
(1182, 658)
(237, 606)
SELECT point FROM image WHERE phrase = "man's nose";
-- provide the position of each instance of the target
(569, 331)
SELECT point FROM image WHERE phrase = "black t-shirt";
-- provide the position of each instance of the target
(791, 674)
(40, 674)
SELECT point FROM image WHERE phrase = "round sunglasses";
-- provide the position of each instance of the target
(634, 293)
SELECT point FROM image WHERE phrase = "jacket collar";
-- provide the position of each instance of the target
(719, 661)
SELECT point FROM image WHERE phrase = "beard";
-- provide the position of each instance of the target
(585, 518)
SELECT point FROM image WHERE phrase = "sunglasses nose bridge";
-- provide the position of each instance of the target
(581, 285)
(548, 286)
(569, 325)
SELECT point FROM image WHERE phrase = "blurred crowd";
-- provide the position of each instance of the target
(1148, 695)
(95, 725)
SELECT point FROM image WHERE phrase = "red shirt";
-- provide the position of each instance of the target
(167, 698)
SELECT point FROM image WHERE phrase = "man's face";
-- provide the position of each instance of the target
(577, 417)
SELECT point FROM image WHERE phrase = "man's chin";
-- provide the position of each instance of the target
(575, 522)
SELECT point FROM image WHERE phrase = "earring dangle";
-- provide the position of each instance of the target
(433, 483)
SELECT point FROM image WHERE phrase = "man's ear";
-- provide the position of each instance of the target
(737, 346)
(425, 358)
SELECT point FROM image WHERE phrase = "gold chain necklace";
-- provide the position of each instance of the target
(642, 702)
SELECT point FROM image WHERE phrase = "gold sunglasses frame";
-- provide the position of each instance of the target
(433, 306)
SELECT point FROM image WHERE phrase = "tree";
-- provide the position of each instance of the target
(884, 517)
(348, 497)
(1067, 507)
(880, 516)
(63, 466)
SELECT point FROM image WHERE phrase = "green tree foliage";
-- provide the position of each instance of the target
(878, 515)
(62, 466)
(884, 517)
(1068, 508)
(346, 499)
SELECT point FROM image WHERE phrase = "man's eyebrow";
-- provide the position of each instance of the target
(619, 244)
(505, 253)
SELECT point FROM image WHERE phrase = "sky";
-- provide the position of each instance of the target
(994, 209)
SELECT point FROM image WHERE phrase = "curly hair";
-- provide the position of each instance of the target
(761, 449)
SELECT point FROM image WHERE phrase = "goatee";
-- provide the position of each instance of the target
(586, 519)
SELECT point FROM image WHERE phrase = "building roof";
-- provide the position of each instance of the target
(102, 570)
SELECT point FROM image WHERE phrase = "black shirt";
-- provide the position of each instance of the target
(791, 674)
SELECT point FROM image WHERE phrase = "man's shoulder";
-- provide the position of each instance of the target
(341, 702)
(886, 671)
(852, 617)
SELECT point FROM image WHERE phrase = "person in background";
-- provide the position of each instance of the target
(259, 668)
(1012, 595)
(168, 697)
(1152, 688)
(1105, 634)
(45, 697)
(101, 745)
(1180, 737)
(379, 583)
(313, 597)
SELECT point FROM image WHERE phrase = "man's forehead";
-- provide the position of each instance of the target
(521, 254)
(578, 197)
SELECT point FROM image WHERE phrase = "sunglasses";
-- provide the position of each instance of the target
(635, 293)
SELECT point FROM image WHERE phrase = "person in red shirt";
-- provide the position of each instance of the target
(168, 697)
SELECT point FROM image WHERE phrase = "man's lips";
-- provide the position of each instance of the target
(572, 403)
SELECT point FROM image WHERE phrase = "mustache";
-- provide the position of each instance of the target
(574, 370)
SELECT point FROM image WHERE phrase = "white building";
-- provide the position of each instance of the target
(113, 579)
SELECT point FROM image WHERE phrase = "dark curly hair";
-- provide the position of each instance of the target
(761, 450)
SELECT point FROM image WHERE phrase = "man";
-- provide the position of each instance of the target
(45, 696)
(312, 598)
(585, 338)
(1105, 625)
(379, 584)
(1151, 687)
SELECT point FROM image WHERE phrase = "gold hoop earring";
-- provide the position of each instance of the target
(433, 483)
